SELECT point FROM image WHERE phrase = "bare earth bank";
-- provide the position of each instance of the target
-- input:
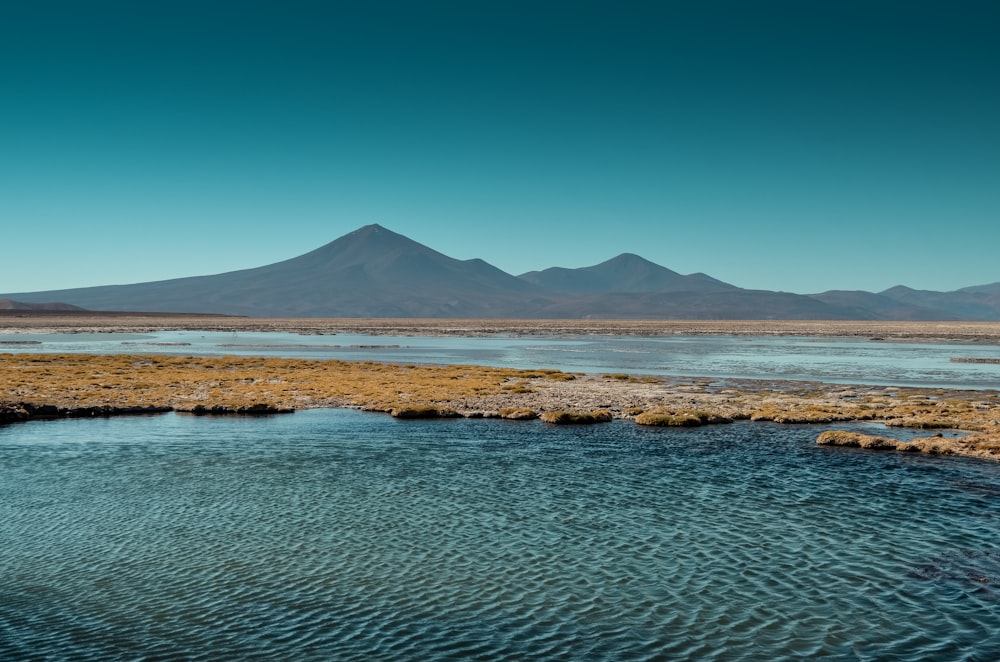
(92, 322)
(33, 386)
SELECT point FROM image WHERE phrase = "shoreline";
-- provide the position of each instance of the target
(38, 386)
(26, 322)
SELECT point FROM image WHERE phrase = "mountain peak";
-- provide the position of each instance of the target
(624, 273)
(629, 257)
(368, 244)
(366, 230)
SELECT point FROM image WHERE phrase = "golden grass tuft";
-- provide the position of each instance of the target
(856, 440)
(683, 418)
(518, 413)
(517, 387)
(795, 412)
(576, 417)
(922, 423)
(422, 411)
(985, 447)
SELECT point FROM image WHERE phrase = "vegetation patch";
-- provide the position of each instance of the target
(258, 409)
(856, 440)
(576, 417)
(682, 419)
(518, 413)
(423, 411)
(921, 423)
(631, 379)
(242, 384)
(790, 413)
(983, 446)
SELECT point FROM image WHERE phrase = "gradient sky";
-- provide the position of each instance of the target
(789, 145)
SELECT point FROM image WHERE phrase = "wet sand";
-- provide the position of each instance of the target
(47, 385)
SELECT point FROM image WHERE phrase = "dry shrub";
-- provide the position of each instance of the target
(798, 413)
(576, 417)
(518, 413)
(683, 418)
(930, 445)
(921, 423)
(856, 439)
(422, 411)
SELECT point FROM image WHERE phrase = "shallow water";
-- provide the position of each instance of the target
(333, 534)
(834, 360)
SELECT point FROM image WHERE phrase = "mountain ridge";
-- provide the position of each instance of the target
(626, 272)
(374, 272)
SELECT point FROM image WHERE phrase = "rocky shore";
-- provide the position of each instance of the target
(75, 385)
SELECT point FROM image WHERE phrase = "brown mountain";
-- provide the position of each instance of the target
(373, 272)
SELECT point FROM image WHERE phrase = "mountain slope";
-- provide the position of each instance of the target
(624, 273)
(993, 289)
(730, 304)
(371, 272)
(971, 303)
(870, 306)
(8, 304)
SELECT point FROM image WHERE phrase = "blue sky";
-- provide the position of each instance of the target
(788, 145)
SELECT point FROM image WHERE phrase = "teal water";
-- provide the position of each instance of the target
(334, 534)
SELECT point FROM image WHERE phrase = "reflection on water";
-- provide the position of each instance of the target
(344, 535)
(837, 360)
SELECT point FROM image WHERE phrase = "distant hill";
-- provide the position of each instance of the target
(374, 272)
(978, 303)
(8, 304)
(735, 304)
(870, 306)
(625, 273)
(991, 290)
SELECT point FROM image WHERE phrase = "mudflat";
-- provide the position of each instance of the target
(63, 322)
(59, 385)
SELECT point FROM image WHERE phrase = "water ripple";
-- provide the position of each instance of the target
(342, 535)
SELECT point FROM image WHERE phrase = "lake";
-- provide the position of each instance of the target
(336, 534)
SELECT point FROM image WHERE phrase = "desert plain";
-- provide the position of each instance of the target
(953, 421)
